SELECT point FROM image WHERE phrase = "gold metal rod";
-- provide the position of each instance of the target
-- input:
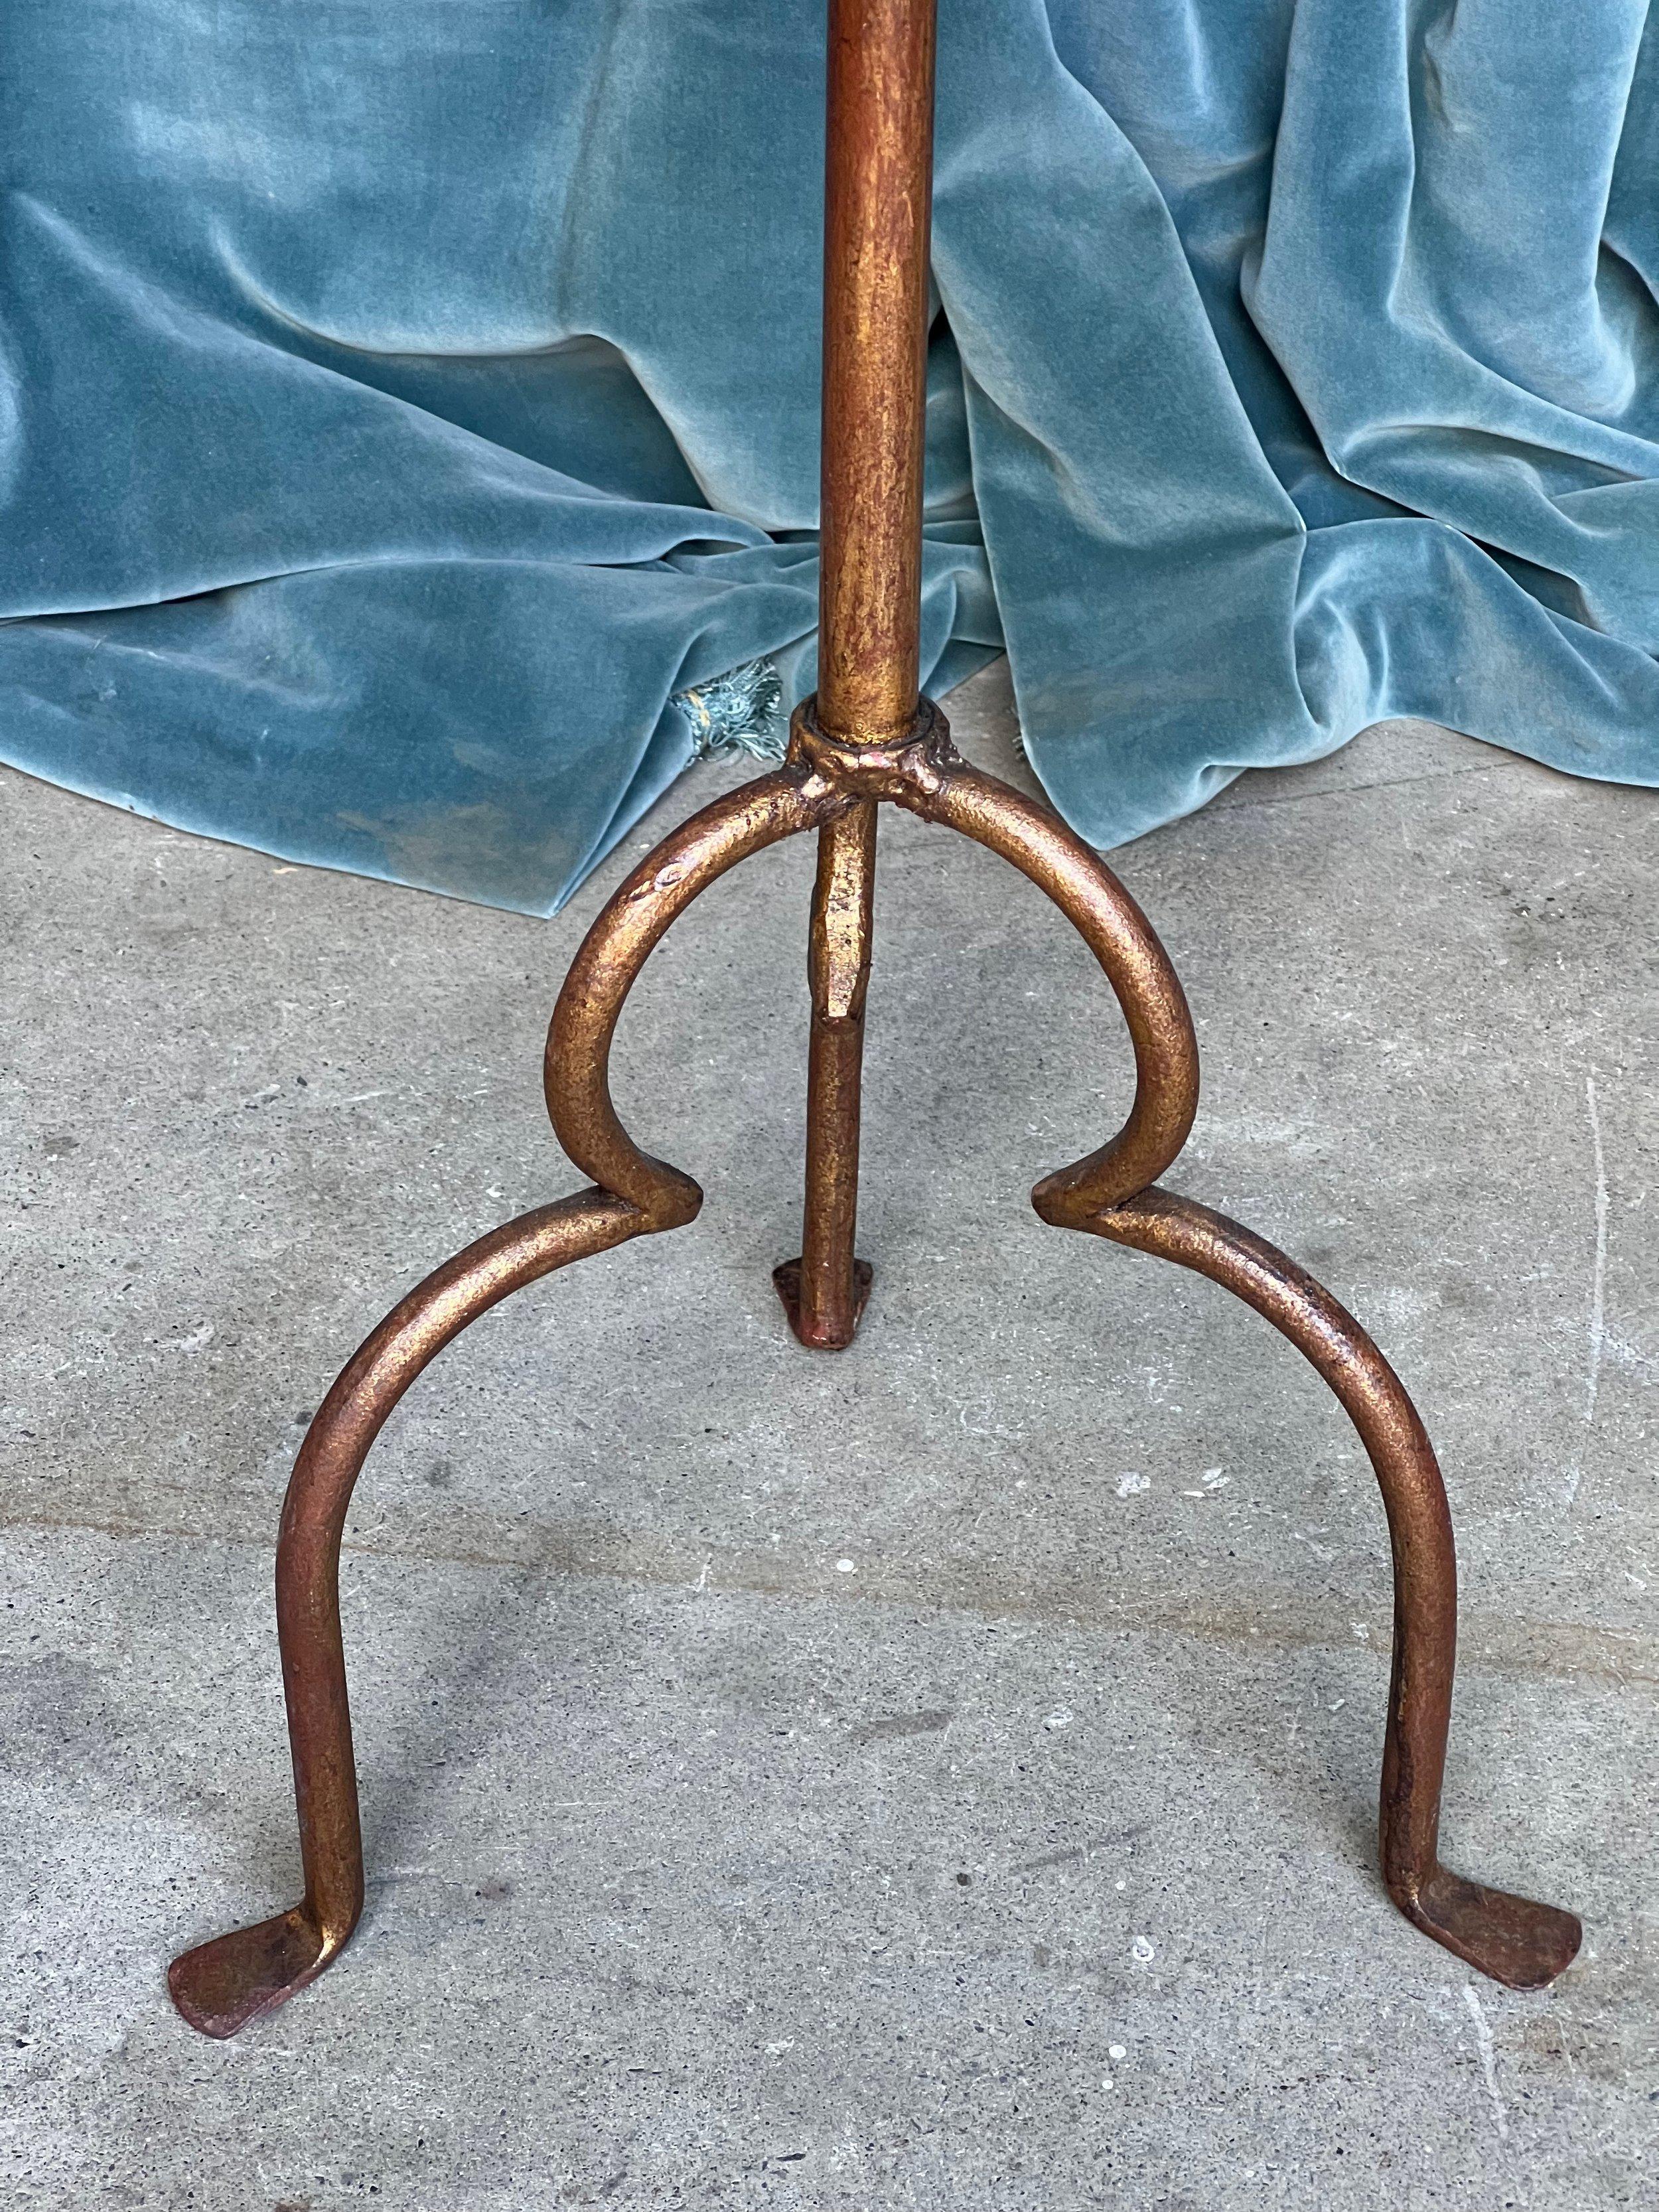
(824, 1292)
(221, 1985)
(878, 168)
(878, 205)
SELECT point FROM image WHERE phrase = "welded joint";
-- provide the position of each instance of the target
(906, 769)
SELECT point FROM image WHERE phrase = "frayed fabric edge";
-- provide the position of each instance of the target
(740, 712)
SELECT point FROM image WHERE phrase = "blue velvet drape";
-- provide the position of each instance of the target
(401, 399)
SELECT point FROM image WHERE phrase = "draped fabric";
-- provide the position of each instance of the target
(401, 401)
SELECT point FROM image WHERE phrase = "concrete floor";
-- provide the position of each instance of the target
(937, 1777)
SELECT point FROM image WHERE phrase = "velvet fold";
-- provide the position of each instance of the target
(400, 406)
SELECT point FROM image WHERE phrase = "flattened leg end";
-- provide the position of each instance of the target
(219, 1986)
(1520, 1943)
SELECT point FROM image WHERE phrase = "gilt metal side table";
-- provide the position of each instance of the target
(866, 740)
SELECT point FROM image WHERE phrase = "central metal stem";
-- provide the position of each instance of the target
(878, 171)
(834, 1285)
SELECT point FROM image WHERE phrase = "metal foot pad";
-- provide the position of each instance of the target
(1520, 1943)
(821, 1334)
(221, 1985)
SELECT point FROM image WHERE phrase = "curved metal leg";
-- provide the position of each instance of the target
(221, 1985)
(1511, 1938)
(1112, 1194)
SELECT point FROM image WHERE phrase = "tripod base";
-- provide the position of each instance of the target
(835, 788)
